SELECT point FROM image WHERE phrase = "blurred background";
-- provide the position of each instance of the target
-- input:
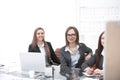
(19, 19)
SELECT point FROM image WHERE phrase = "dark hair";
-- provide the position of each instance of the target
(99, 50)
(34, 41)
(76, 32)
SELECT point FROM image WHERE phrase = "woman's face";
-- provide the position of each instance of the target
(102, 39)
(40, 35)
(71, 36)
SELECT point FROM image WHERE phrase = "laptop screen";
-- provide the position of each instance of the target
(32, 61)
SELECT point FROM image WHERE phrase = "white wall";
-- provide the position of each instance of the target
(92, 16)
(19, 19)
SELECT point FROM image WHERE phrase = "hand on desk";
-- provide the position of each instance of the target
(98, 71)
(91, 71)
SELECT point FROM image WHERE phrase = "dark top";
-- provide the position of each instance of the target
(52, 53)
(65, 58)
(92, 61)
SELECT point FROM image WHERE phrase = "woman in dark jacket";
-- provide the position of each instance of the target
(95, 64)
(40, 45)
(72, 55)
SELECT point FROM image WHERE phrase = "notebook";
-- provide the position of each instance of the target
(32, 61)
(112, 56)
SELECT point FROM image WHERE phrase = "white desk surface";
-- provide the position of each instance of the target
(5, 74)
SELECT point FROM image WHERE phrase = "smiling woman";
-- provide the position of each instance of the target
(72, 55)
(39, 44)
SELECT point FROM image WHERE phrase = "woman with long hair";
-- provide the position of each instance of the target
(40, 45)
(72, 55)
(95, 64)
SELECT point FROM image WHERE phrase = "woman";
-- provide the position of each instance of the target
(95, 64)
(72, 55)
(40, 45)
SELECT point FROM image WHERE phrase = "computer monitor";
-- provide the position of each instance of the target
(32, 61)
(112, 49)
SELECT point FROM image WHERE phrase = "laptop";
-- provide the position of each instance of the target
(32, 61)
(112, 49)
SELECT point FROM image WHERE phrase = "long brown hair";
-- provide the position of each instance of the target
(76, 32)
(99, 50)
(47, 50)
(34, 41)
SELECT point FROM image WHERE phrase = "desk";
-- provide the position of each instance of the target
(90, 78)
(85, 77)
(7, 74)
(57, 75)
(12, 75)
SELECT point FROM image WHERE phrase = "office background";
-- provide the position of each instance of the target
(19, 19)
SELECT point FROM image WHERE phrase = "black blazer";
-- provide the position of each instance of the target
(65, 58)
(92, 61)
(52, 53)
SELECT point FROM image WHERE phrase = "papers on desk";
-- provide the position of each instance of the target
(88, 74)
(89, 79)
(92, 75)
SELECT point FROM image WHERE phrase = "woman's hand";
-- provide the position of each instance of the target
(98, 71)
(53, 63)
(89, 70)
(87, 57)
